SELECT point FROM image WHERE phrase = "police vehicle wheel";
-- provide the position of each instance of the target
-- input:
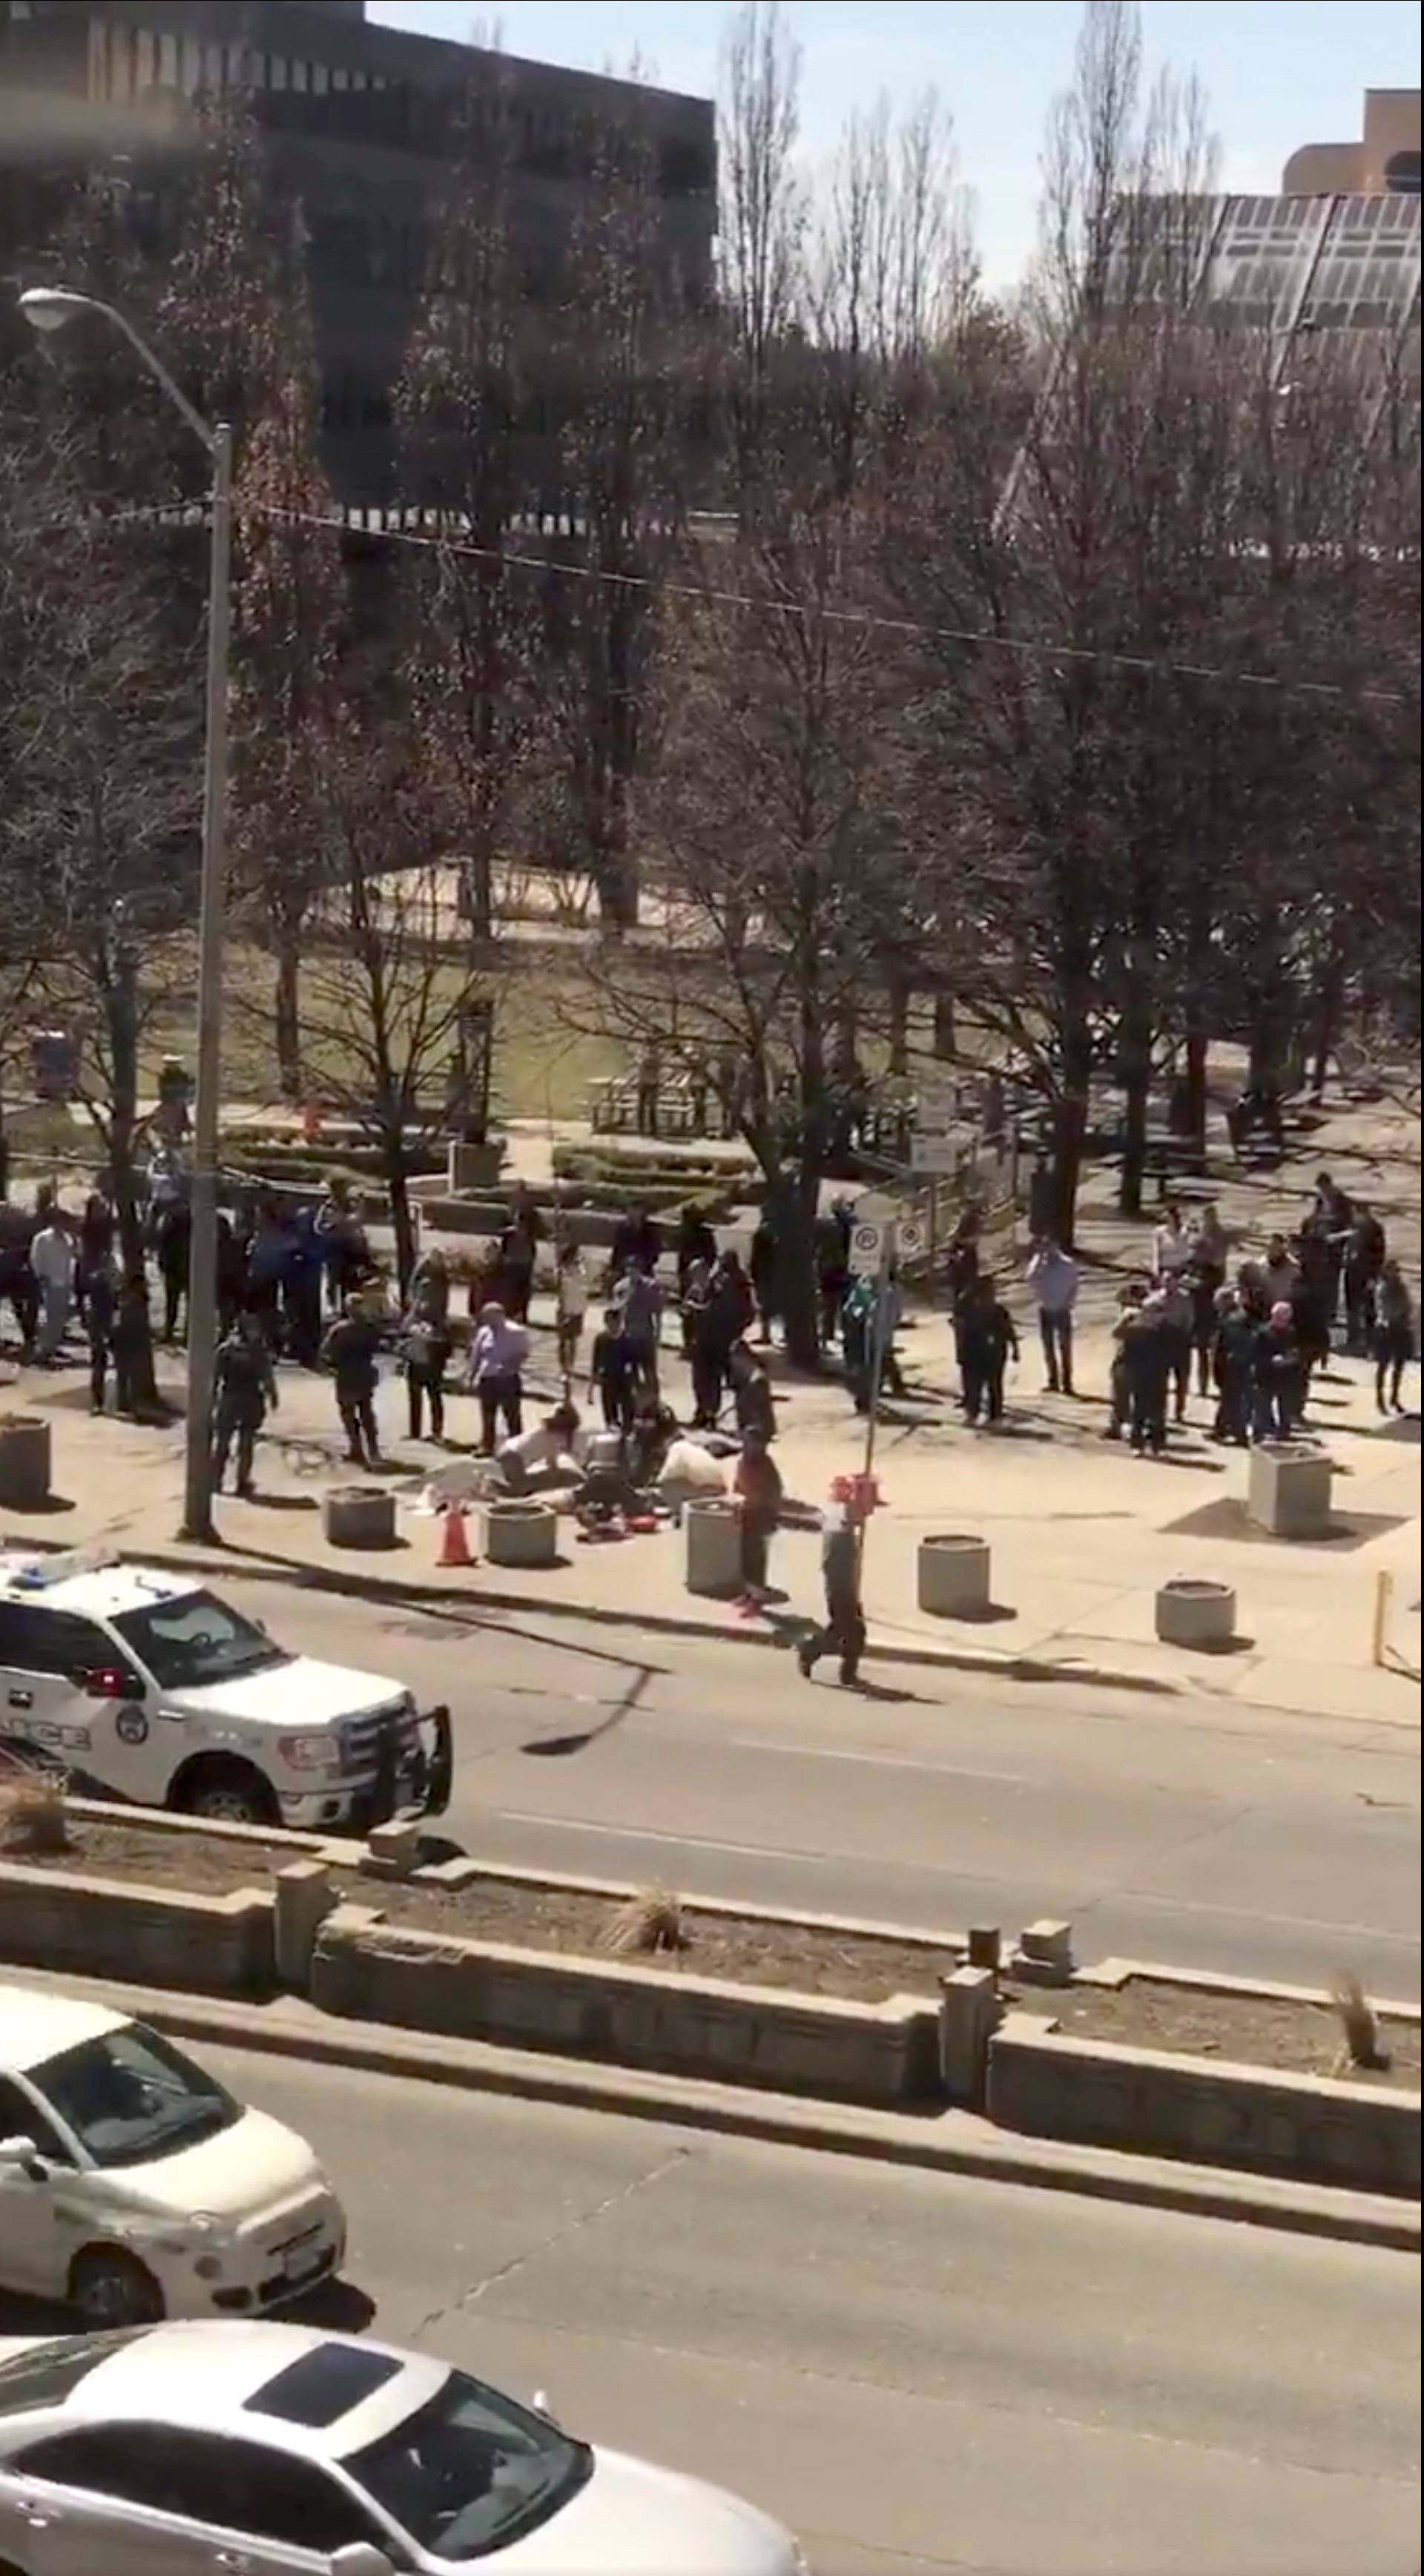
(112, 2289)
(227, 1791)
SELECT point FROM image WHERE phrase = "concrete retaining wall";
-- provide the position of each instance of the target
(97, 1927)
(1363, 2137)
(629, 2016)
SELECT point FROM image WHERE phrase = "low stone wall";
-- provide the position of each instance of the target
(629, 2016)
(1363, 2137)
(98, 1927)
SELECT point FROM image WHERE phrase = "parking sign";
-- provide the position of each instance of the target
(869, 1250)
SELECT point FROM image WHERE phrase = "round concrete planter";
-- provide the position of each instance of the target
(714, 1547)
(525, 1534)
(359, 1516)
(24, 1462)
(1288, 1489)
(954, 1577)
(1196, 1613)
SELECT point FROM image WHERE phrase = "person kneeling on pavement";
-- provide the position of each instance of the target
(244, 1391)
(844, 1630)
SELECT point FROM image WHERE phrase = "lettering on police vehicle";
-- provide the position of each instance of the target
(45, 1730)
(131, 1726)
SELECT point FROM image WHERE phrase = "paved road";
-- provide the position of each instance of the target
(1208, 1835)
(917, 2372)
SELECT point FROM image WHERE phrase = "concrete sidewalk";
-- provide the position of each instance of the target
(1082, 1532)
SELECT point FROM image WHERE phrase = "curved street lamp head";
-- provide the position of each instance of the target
(48, 308)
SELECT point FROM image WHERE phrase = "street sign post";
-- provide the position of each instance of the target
(871, 1247)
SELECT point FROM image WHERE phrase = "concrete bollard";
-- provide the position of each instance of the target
(1191, 1612)
(1288, 1489)
(1044, 1956)
(953, 1577)
(303, 1897)
(359, 1516)
(521, 1534)
(713, 1538)
(24, 1462)
(392, 1850)
(969, 2015)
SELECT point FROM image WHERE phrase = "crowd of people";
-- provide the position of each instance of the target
(1250, 1343)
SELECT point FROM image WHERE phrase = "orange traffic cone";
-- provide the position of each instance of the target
(454, 1546)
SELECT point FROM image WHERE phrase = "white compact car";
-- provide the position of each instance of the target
(145, 1686)
(134, 2187)
(272, 2450)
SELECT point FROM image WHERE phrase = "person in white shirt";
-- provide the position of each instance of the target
(571, 1291)
(1052, 1275)
(546, 1454)
(52, 1261)
(1172, 1246)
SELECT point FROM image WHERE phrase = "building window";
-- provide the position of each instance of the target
(340, 79)
(212, 67)
(145, 59)
(321, 79)
(300, 76)
(279, 71)
(168, 62)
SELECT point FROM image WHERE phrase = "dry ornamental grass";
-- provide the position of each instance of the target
(650, 1921)
(1358, 2021)
(33, 1815)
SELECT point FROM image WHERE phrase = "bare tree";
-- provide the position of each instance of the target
(626, 389)
(473, 620)
(780, 864)
(291, 622)
(113, 806)
(762, 222)
(386, 989)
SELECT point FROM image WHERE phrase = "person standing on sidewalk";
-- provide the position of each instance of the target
(843, 1633)
(571, 1306)
(425, 1352)
(244, 1392)
(349, 1351)
(497, 1355)
(988, 1340)
(1232, 1363)
(101, 1300)
(52, 1261)
(757, 1484)
(1392, 1335)
(1053, 1278)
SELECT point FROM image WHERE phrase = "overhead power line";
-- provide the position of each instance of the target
(701, 595)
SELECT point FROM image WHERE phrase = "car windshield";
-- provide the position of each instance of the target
(50, 2372)
(196, 1639)
(130, 2098)
(471, 2471)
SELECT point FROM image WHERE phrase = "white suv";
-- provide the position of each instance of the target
(133, 2186)
(145, 1686)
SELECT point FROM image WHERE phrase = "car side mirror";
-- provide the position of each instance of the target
(360, 2558)
(112, 1681)
(21, 2155)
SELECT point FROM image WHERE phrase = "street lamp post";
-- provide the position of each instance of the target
(49, 308)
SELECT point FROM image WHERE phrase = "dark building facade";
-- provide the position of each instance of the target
(361, 121)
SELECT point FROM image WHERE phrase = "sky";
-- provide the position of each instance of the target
(1277, 73)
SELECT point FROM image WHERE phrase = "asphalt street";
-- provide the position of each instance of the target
(1208, 1834)
(918, 2373)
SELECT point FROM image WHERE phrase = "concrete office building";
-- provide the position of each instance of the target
(360, 121)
